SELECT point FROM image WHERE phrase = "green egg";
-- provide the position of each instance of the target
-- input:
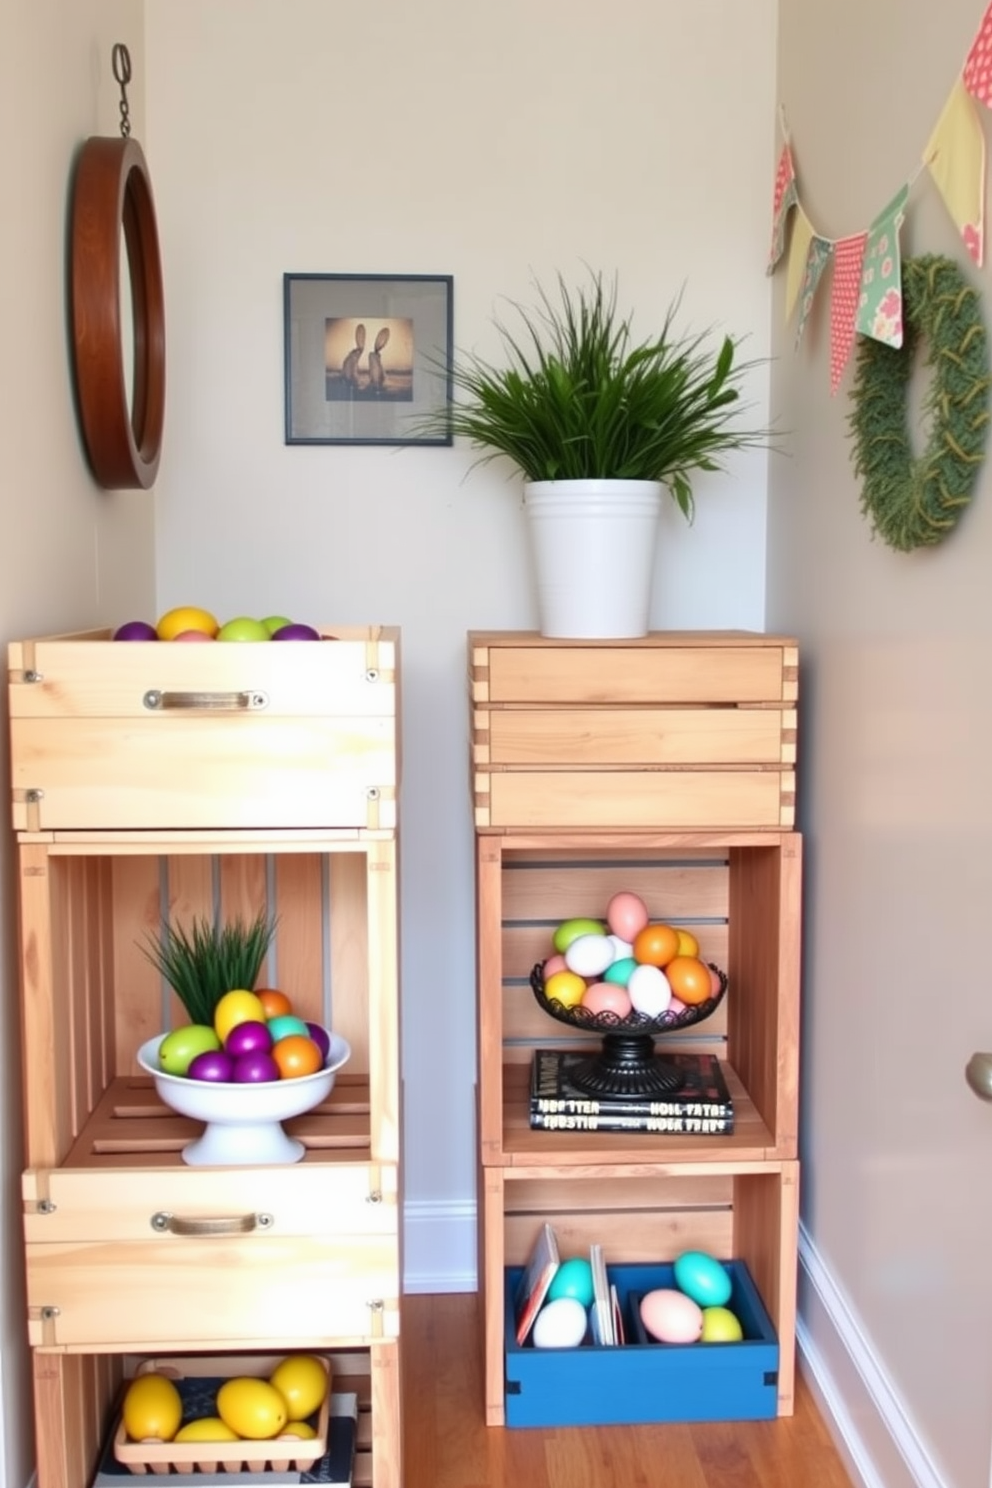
(571, 930)
(179, 1048)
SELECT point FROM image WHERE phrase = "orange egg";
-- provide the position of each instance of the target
(275, 1003)
(296, 1055)
(690, 980)
(656, 945)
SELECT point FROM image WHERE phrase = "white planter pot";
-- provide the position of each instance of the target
(593, 547)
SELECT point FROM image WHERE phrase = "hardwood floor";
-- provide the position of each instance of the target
(448, 1445)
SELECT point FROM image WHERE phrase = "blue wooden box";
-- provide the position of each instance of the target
(644, 1381)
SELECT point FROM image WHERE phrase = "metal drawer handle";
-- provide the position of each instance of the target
(238, 1224)
(227, 702)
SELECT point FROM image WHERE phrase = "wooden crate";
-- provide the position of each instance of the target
(643, 1214)
(187, 1458)
(76, 1396)
(104, 1154)
(738, 893)
(680, 730)
(249, 736)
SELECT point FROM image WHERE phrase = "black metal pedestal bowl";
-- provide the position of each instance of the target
(626, 1064)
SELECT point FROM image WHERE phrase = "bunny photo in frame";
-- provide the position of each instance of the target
(367, 357)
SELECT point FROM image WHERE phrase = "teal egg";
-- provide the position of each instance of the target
(285, 1024)
(702, 1278)
(572, 1279)
(620, 971)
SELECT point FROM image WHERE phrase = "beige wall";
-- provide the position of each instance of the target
(490, 141)
(897, 704)
(71, 555)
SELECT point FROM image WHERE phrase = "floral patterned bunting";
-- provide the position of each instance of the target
(880, 302)
(820, 254)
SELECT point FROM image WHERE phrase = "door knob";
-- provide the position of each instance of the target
(978, 1073)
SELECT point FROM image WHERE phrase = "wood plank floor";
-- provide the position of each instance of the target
(448, 1445)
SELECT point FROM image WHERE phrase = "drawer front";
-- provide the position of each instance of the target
(628, 736)
(632, 674)
(247, 1292)
(149, 1259)
(90, 676)
(207, 771)
(677, 799)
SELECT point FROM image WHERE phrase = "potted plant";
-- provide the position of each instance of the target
(600, 426)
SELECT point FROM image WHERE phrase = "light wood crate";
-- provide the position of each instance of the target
(688, 730)
(246, 735)
(738, 893)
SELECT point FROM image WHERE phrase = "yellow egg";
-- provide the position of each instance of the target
(299, 1431)
(152, 1407)
(566, 987)
(688, 944)
(185, 617)
(301, 1380)
(206, 1429)
(237, 1006)
(252, 1407)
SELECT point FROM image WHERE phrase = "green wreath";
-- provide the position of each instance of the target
(914, 503)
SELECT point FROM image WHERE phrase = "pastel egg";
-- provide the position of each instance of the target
(649, 991)
(589, 955)
(671, 1316)
(720, 1325)
(622, 949)
(626, 914)
(561, 1324)
(570, 930)
(192, 635)
(702, 1278)
(620, 971)
(715, 982)
(554, 963)
(607, 997)
(572, 1279)
(676, 1006)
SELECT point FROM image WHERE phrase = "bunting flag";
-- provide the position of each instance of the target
(977, 74)
(820, 254)
(869, 264)
(849, 256)
(880, 301)
(799, 245)
(785, 197)
(955, 158)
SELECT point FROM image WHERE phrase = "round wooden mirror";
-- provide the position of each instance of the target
(119, 369)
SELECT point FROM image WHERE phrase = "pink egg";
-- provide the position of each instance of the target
(671, 1316)
(192, 635)
(626, 914)
(607, 997)
(553, 964)
(715, 982)
(675, 1006)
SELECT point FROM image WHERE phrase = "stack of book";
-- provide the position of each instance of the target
(702, 1105)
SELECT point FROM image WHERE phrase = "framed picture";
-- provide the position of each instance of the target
(368, 357)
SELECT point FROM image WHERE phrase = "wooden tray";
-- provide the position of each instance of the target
(278, 1455)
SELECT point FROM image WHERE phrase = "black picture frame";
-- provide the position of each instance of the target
(367, 358)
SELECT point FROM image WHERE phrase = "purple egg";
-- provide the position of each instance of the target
(248, 1038)
(296, 633)
(255, 1069)
(321, 1038)
(135, 630)
(212, 1064)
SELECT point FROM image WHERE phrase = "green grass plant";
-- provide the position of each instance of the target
(203, 961)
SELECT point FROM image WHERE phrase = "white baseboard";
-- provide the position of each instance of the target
(870, 1423)
(439, 1247)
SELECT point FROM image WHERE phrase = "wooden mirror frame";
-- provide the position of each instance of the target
(112, 193)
